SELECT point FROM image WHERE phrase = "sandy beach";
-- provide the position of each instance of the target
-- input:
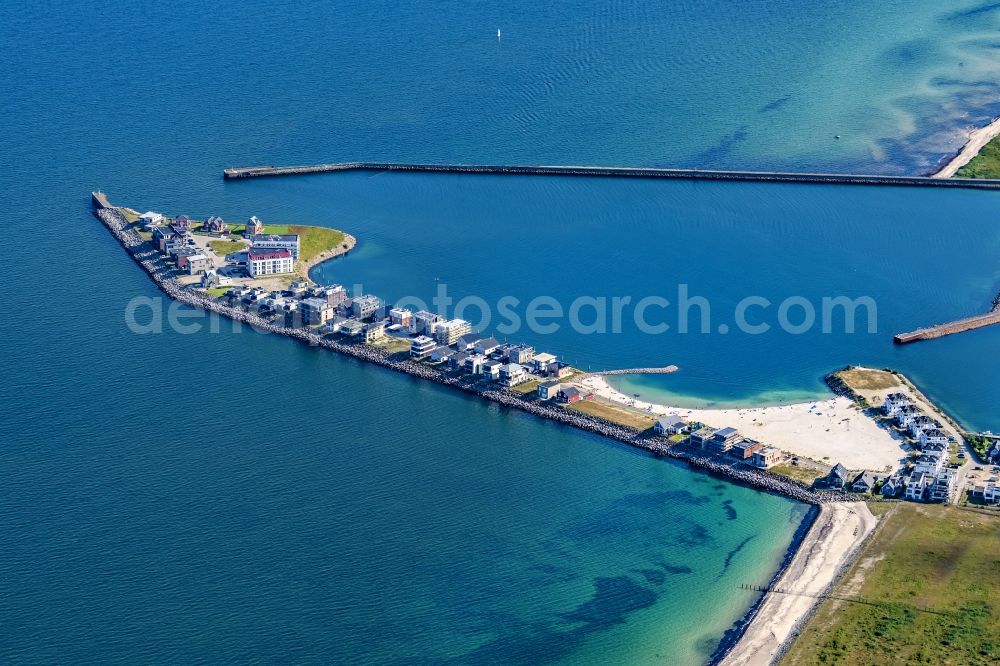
(978, 138)
(829, 546)
(830, 431)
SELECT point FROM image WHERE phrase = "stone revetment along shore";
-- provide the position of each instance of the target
(161, 273)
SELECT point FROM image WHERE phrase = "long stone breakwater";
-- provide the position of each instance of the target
(234, 173)
(146, 256)
(952, 327)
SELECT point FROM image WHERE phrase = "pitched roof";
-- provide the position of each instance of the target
(839, 470)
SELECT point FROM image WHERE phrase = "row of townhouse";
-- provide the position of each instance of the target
(721, 441)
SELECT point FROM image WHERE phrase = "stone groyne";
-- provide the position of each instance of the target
(952, 327)
(144, 254)
(233, 173)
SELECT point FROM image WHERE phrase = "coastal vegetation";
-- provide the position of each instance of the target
(802, 474)
(614, 414)
(867, 379)
(926, 589)
(984, 165)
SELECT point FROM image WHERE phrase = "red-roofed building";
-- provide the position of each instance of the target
(269, 263)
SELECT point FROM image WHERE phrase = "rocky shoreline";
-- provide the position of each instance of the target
(154, 264)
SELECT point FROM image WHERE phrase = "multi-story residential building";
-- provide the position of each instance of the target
(906, 414)
(921, 423)
(366, 306)
(513, 374)
(702, 437)
(520, 354)
(288, 242)
(422, 323)
(448, 332)
(933, 436)
(943, 487)
(916, 487)
(768, 456)
(491, 369)
(722, 440)
(893, 402)
(929, 464)
(400, 317)
(373, 332)
(316, 310)
(745, 448)
(194, 262)
(269, 263)
(987, 491)
(422, 346)
(541, 362)
(474, 364)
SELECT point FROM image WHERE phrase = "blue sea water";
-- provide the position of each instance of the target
(224, 496)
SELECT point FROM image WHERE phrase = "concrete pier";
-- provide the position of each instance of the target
(616, 172)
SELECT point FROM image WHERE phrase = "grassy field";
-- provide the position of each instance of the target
(804, 475)
(526, 387)
(865, 379)
(984, 165)
(612, 413)
(224, 247)
(313, 240)
(926, 590)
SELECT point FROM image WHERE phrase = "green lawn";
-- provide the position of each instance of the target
(984, 165)
(526, 387)
(313, 240)
(926, 590)
(216, 292)
(224, 247)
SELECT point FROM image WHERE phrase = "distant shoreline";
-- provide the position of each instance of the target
(977, 140)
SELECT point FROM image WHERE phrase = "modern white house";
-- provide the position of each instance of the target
(150, 219)
(486, 346)
(422, 346)
(916, 487)
(288, 242)
(474, 364)
(540, 362)
(513, 374)
(269, 262)
(921, 423)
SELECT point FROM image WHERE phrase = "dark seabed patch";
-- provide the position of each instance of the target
(661, 498)
(652, 576)
(984, 8)
(676, 570)
(713, 157)
(614, 598)
(727, 506)
(775, 104)
(696, 535)
(734, 552)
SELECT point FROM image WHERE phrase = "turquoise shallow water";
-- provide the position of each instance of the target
(229, 496)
